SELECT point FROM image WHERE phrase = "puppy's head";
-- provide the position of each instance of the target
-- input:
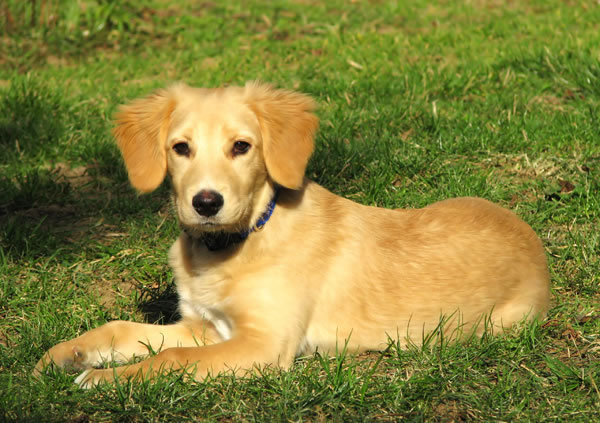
(225, 149)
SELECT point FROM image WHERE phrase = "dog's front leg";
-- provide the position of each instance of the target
(239, 354)
(121, 341)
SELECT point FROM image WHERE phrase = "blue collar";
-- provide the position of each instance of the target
(217, 241)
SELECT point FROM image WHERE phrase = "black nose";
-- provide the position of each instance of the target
(207, 203)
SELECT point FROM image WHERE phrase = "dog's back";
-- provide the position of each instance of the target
(378, 273)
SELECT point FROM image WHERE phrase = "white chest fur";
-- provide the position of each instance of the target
(200, 288)
(214, 315)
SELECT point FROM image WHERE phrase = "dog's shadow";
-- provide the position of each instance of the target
(160, 307)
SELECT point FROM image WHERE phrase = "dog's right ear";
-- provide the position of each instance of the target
(141, 131)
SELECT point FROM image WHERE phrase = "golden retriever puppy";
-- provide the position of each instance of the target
(270, 265)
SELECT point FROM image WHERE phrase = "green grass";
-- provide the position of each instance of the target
(419, 101)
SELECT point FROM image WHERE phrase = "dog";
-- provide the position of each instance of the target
(270, 265)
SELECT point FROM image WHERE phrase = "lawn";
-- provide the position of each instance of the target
(418, 100)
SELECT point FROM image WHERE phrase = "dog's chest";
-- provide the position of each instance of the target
(201, 298)
(202, 291)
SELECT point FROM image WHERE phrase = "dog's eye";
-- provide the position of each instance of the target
(240, 147)
(182, 149)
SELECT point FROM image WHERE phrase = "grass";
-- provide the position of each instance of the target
(419, 101)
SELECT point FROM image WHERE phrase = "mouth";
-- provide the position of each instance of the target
(195, 222)
(197, 225)
(211, 229)
(199, 228)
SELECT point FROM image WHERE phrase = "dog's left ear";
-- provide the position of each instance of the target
(141, 131)
(288, 128)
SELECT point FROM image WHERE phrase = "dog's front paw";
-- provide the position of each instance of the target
(93, 377)
(64, 355)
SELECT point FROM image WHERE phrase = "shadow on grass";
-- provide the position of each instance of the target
(47, 203)
(64, 217)
(160, 307)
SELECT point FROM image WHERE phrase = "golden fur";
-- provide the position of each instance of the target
(322, 272)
